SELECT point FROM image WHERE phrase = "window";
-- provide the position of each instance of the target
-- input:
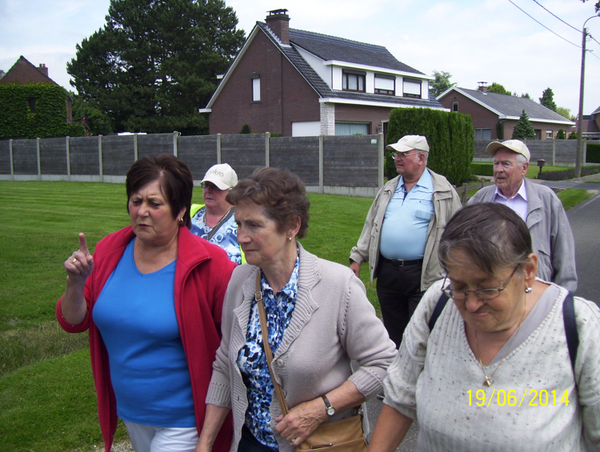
(411, 88)
(454, 106)
(255, 88)
(385, 84)
(483, 134)
(344, 128)
(353, 81)
(32, 101)
(549, 134)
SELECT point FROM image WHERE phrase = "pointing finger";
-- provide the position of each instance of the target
(83, 244)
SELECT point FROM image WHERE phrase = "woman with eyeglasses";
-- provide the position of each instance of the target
(214, 220)
(497, 367)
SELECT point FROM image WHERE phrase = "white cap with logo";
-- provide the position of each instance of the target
(222, 175)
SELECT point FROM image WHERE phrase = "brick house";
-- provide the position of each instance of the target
(299, 83)
(497, 114)
(23, 72)
(591, 125)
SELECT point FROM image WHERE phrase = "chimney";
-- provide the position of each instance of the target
(482, 87)
(43, 69)
(279, 23)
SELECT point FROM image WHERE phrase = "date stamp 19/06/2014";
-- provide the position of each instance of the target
(527, 397)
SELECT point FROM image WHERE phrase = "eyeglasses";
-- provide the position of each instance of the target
(483, 294)
(401, 155)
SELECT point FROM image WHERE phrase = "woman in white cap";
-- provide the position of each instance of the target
(214, 220)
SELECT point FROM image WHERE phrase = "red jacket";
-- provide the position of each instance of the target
(202, 272)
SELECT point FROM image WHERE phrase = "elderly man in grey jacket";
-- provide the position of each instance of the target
(539, 206)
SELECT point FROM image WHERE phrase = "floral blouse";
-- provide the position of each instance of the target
(252, 360)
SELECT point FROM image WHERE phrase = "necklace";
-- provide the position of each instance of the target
(488, 380)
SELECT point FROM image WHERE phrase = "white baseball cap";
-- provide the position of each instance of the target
(408, 143)
(222, 175)
(513, 145)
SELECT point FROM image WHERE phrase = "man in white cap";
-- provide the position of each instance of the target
(214, 220)
(540, 208)
(402, 231)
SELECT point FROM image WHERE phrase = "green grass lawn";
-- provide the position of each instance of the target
(47, 401)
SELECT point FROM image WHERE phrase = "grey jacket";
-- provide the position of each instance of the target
(333, 323)
(445, 203)
(551, 234)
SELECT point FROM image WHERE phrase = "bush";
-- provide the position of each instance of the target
(573, 135)
(35, 110)
(482, 169)
(569, 174)
(561, 135)
(593, 153)
(450, 136)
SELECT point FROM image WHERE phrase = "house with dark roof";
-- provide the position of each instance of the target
(299, 83)
(495, 115)
(591, 125)
(23, 72)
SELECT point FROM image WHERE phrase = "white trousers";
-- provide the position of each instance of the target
(146, 438)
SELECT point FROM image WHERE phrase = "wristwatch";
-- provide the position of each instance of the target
(330, 410)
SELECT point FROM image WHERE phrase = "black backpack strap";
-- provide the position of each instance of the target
(439, 307)
(571, 328)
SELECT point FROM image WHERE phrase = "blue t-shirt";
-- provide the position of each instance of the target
(135, 314)
(225, 237)
(406, 220)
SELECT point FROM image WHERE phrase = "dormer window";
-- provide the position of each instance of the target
(411, 88)
(385, 84)
(353, 81)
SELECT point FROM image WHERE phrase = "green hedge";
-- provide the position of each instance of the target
(450, 136)
(593, 153)
(482, 169)
(48, 120)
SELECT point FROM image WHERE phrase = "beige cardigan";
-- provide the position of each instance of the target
(333, 323)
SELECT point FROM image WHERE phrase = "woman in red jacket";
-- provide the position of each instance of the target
(151, 297)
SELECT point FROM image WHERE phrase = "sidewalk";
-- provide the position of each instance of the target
(584, 183)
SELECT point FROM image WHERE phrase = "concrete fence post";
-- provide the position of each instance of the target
(219, 136)
(175, 144)
(135, 147)
(68, 151)
(321, 163)
(39, 157)
(267, 149)
(11, 157)
(381, 161)
(100, 158)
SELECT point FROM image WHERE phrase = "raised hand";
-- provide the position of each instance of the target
(80, 264)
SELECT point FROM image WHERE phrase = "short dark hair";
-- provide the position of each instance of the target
(279, 191)
(175, 180)
(492, 234)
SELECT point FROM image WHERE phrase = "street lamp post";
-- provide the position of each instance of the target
(579, 161)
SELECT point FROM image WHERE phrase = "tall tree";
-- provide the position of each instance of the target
(155, 63)
(524, 130)
(547, 99)
(440, 83)
(498, 89)
(564, 112)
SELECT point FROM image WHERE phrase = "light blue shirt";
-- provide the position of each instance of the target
(406, 220)
(518, 202)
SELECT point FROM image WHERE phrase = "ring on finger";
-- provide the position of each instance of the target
(292, 440)
(74, 260)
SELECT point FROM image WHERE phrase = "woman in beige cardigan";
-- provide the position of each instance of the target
(319, 319)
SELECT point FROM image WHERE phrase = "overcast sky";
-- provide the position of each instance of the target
(474, 40)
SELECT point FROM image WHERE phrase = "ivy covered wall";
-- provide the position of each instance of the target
(36, 110)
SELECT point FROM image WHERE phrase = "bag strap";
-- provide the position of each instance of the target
(223, 219)
(571, 328)
(439, 307)
(265, 335)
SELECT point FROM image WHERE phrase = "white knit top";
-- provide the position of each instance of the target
(435, 379)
